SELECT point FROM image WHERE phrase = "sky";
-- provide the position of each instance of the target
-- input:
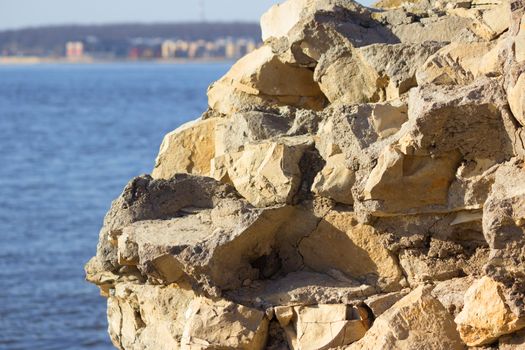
(24, 13)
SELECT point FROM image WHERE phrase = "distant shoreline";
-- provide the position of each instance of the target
(8, 60)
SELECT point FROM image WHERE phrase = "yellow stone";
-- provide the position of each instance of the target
(340, 243)
(486, 316)
(188, 149)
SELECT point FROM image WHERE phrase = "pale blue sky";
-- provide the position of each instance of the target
(23, 13)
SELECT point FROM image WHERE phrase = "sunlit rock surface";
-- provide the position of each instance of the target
(358, 182)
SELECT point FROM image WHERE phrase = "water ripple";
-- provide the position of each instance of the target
(70, 139)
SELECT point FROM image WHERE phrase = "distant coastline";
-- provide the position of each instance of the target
(33, 60)
(173, 42)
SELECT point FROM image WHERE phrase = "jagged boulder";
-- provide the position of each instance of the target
(309, 27)
(371, 73)
(266, 173)
(147, 316)
(262, 79)
(322, 326)
(222, 324)
(203, 246)
(486, 316)
(147, 199)
(418, 169)
(335, 180)
(186, 228)
(188, 149)
(418, 321)
(460, 63)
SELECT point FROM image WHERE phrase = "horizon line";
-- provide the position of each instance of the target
(139, 23)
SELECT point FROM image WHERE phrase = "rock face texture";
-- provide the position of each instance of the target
(358, 182)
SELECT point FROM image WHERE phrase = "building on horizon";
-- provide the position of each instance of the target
(74, 50)
(223, 48)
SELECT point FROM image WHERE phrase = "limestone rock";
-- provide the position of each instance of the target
(248, 127)
(504, 230)
(420, 268)
(388, 117)
(335, 181)
(485, 316)
(427, 178)
(516, 97)
(203, 246)
(371, 73)
(497, 18)
(187, 236)
(355, 250)
(320, 327)
(460, 63)
(451, 292)
(306, 23)
(265, 173)
(380, 303)
(427, 162)
(396, 64)
(188, 149)
(352, 131)
(281, 18)
(443, 29)
(349, 79)
(222, 324)
(302, 288)
(147, 316)
(148, 199)
(173, 317)
(262, 79)
(418, 321)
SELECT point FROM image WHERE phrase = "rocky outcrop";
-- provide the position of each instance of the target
(358, 182)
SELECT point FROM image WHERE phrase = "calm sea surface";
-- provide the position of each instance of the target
(70, 139)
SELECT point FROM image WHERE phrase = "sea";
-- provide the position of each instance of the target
(71, 137)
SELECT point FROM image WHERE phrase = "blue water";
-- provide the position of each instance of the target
(71, 136)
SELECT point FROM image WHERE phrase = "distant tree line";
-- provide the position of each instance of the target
(116, 38)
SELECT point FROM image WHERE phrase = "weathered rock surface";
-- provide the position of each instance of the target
(262, 79)
(222, 324)
(340, 243)
(418, 321)
(322, 326)
(460, 63)
(265, 173)
(517, 99)
(188, 149)
(485, 316)
(357, 182)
